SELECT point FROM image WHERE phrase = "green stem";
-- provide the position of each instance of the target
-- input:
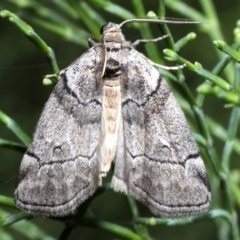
(213, 214)
(29, 32)
(7, 201)
(204, 129)
(13, 218)
(197, 67)
(211, 15)
(12, 145)
(221, 45)
(13, 126)
(218, 131)
(231, 134)
(185, 10)
(111, 228)
(66, 233)
(229, 206)
(139, 228)
(146, 33)
(227, 150)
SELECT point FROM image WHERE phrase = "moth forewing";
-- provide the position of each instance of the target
(61, 168)
(111, 103)
(162, 166)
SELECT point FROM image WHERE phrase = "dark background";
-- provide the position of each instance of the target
(22, 97)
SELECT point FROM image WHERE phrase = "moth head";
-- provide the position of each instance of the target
(112, 32)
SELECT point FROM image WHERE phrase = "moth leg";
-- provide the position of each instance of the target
(148, 40)
(92, 43)
(168, 67)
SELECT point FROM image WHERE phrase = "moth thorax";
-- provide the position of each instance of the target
(114, 37)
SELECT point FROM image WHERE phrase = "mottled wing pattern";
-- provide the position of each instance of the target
(158, 161)
(61, 168)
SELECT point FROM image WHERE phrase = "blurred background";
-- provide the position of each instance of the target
(22, 94)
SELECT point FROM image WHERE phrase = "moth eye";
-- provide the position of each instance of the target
(101, 29)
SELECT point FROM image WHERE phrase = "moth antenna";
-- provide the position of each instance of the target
(161, 20)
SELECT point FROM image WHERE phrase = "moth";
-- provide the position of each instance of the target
(112, 104)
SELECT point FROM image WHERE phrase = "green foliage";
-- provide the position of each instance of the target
(61, 19)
